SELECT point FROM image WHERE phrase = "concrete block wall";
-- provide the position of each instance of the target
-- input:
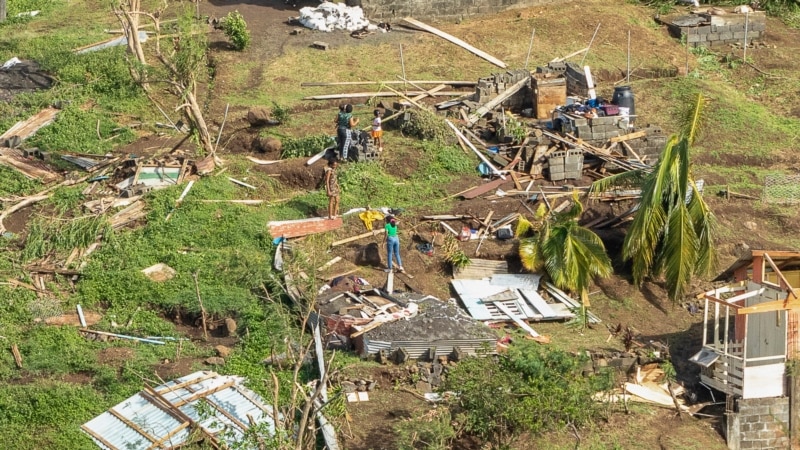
(494, 85)
(650, 146)
(758, 423)
(597, 129)
(441, 9)
(576, 80)
(723, 30)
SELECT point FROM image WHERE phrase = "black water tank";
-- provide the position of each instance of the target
(623, 97)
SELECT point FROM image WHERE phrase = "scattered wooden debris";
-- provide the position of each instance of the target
(29, 168)
(27, 128)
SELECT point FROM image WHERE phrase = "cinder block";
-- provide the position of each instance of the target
(693, 38)
(726, 36)
(736, 27)
(712, 37)
(701, 30)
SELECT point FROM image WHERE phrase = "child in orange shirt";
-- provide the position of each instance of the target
(377, 131)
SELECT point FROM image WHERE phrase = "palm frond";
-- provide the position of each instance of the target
(695, 116)
(625, 179)
(680, 251)
(530, 253)
(523, 227)
(704, 227)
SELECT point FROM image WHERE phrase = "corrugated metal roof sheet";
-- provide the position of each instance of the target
(140, 423)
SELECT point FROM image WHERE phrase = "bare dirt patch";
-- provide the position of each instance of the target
(20, 78)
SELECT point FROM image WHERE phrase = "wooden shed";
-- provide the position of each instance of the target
(548, 93)
(750, 328)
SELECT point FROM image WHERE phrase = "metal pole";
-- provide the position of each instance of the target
(403, 65)
(688, 32)
(590, 44)
(628, 76)
(530, 46)
(746, 23)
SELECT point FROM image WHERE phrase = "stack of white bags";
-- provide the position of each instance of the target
(334, 16)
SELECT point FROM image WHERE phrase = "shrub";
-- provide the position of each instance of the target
(307, 146)
(426, 126)
(235, 28)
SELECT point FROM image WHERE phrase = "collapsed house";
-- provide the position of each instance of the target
(750, 338)
(199, 406)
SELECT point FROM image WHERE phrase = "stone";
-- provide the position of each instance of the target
(348, 387)
(424, 387)
(215, 361)
(750, 225)
(230, 326)
(258, 116)
(361, 388)
(371, 385)
(223, 351)
(267, 144)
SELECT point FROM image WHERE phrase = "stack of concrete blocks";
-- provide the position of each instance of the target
(723, 30)
(598, 129)
(490, 87)
(576, 80)
(758, 423)
(649, 147)
(565, 164)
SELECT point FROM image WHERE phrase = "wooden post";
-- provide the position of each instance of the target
(202, 309)
(17, 355)
(2, 10)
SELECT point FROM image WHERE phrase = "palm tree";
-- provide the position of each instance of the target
(570, 254)
(671, 232)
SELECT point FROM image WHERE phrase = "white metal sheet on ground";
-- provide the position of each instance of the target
(538, 303)
(471, 292)
(516, 281)
(517, 320)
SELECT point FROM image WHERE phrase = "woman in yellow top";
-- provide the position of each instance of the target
(393, 244)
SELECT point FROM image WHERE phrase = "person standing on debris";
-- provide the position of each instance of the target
(392, 244)
(344, 125)
(377, 131)
(332, 188)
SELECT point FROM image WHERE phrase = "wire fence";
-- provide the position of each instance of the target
(783, 189)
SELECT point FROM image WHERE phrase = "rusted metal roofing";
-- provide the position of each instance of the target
(219, 406)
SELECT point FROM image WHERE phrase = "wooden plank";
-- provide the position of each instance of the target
(303, 227)
(429, 92)
(379, 83)
(357, 237)
(329, 263)
(571, 55)
(517, 320)
(482, 189)
(130, 424)
(202, 394)
(27, 128)
(627, 137)
(495, 102)
(378, 94)
(159, 443)
(98, 437)
(419, 25)
(205, 377)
